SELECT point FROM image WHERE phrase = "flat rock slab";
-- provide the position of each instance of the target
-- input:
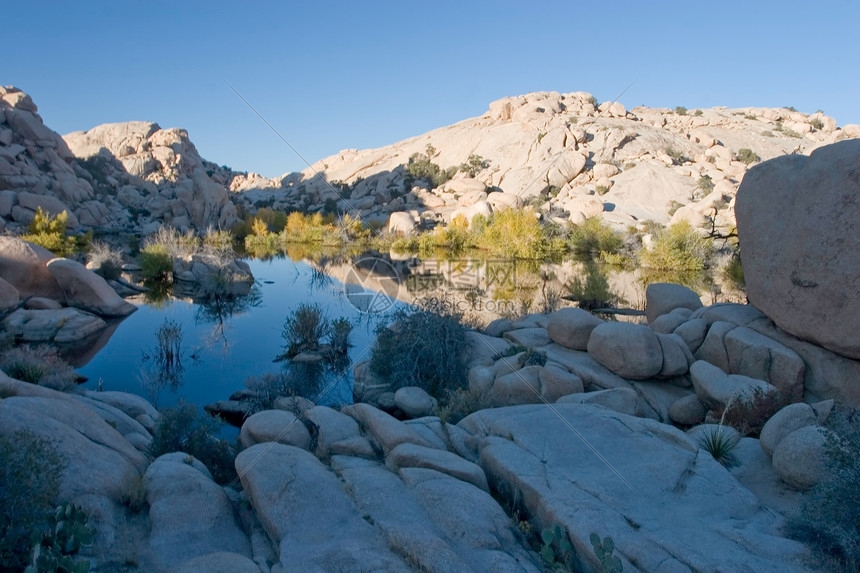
(60, 325)
(667, 505)
(528, 337)
(86, 290)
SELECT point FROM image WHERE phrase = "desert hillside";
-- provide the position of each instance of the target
(563, 153)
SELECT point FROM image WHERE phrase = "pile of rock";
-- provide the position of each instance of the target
(46, 298)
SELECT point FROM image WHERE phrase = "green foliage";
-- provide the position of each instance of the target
(38, 365)
(747, 155)
(705, 184)
(593, 237)
(50, 232)
(215, 240)
(601, 190)
(304, 329)
(603, 550)
(517, 233)
(720, 443)
(30, 472)
(556, 550)
(474, 165)
(156, 263)
(681, 110)
(674, 206)
(162, 364)
(816, 123)
(459, 403)
(339, 335)
(424, 349)
(56, 549)
(295, 379)
(678, 247)
(181, 428)
(105, 260)
(420, 167)
(697, 113)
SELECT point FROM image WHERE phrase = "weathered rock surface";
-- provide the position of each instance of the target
(788, 419)
(60, 325)
(571, 327)
(716, 389)
(274, 426)
(24, 266)
(800, 458)
(797, 224)
(86, 290)
(629, 350)
(414, 456)
(662, 298)
(695, 514)
(414, 402)
(190, 514)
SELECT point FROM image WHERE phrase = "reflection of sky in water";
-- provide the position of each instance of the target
(246, 345)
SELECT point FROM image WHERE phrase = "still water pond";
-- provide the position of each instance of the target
(222, 349)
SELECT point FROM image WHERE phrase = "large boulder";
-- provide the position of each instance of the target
(716, 389)
(191, 515)
(800, 459)
(58, 325)
(662, 298)
(571, 327)
(787, 420)
(8, 295)
(629, 350)
(274, 426)
(24, 266)
(799, 230)
(86, 290)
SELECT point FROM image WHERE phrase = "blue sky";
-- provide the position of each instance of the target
(336, 75)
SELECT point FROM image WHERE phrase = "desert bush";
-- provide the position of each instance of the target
(38, 365)
(674, 206)
(420, 167)
(474, 165)
(156, 264)
(747, 155)
(216, 241)
(830, 518)
(678, 247)
(459, 403)
(30, 475)
(50, 232)
(106, 260)
(601, 190)
(681, 110)
(593, 237)
(816, 123)
(304, 329)
(749, 416)
(424, 349)
(734, 271)
(172, 242)
(339, 335)
(518, 233)
(182, 428)
(705, 184)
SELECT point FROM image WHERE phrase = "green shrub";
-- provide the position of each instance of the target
(424, 349)
(677, 157)
(593, 236)
(30, 475)
(816, 123)
(591, 290)
(218, 241)
(705, 184)
(339, 336)
(304, 329)
(50, 233)
(517, 233)
(678, 247)
(601, 190)
(720, 443)
(420, 167)
(768, 133)
(38, 365)
(156, 263)
(697, 113)
(681, 110)
(474, 165)
(182, 429)
(746, 155)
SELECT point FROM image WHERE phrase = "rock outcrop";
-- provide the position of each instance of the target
(800, 244)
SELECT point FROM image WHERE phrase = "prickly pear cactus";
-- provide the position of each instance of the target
(603, 550)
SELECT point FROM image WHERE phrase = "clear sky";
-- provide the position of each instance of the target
(336, 75)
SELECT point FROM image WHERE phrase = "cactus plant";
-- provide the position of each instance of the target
(603, 549)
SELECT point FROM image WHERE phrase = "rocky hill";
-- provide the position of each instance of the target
(564, 153)
(577, 157)
(130, 176)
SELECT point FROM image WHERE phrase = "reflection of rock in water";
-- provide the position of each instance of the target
(79, 353)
